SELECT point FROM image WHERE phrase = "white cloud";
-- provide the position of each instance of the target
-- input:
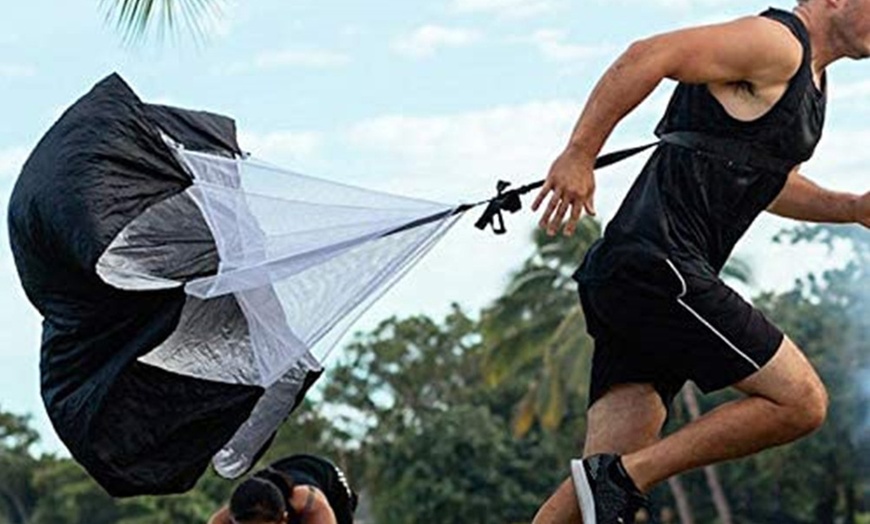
(314, 58)
(842, 160)
(222, 27)
(11, 161)
(683, 4)
(425, 40)
(459, 158)
(506, 138)
(16, 71)
(286, 58)
(508, 8)
(850, 92)
(675, 4)
(552, 45)
(291, 147)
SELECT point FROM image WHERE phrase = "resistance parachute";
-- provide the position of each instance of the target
(189, 293)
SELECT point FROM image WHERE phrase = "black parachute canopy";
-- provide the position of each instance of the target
(102, 168)
(189, 292)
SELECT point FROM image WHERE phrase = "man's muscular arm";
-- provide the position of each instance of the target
(802, 199)
(754, 50)
(312, 505)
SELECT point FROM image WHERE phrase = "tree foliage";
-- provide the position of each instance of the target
(423, 414)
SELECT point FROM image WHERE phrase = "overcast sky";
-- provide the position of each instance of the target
(436, 99)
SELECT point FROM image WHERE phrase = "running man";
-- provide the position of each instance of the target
(301, 489)
(747, 111)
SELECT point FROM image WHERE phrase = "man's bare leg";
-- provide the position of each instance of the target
(627, 418)
(786, 401)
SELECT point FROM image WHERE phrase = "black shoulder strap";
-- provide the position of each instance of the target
(797, 28)
(794, 24)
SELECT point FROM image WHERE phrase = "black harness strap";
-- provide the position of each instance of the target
(735, 152)
(510, 200)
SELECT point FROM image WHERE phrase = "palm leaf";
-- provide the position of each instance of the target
(135, 18)
(506, 353)
(738, 270)
(524, 413)
(534, 277)
(551, 407)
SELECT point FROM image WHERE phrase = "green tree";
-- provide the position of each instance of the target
(432, 439)
(536, 329)
(462, 465)
(17, 495)
(67, 495)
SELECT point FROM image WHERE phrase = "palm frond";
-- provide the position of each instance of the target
(507, 352)
(551, 404)
(135, 18)
(524, 412)
(738, 270)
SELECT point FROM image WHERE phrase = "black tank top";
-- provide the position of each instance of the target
(309, 470)
(692, 204)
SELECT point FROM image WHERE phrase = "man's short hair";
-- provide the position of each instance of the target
(257, 500)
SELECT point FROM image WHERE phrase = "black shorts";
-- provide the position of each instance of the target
(655, 324)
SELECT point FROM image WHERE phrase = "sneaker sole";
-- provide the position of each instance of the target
(584, 492)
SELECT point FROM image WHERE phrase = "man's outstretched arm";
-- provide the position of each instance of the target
(802, 199)
(754, 50)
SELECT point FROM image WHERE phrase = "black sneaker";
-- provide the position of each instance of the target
(602, 499)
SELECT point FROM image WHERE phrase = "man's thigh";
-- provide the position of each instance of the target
(626, 418)
(786, 379)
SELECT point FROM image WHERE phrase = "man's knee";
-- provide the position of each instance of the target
(810, 408)
(790, 382)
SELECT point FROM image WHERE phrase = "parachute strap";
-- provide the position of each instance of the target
(510, 200)
(735, 152)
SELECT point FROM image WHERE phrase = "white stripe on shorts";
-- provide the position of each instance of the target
(704, 321)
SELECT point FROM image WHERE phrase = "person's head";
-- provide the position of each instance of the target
(845, 22)
(852, 25)
(258, 501)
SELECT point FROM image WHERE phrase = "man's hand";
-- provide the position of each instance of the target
(572, 185)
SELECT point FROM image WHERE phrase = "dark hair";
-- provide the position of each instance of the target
(257, 500)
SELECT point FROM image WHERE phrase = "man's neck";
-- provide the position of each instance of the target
(825, 47)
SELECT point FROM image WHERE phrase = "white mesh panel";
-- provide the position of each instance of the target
(304, 257)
